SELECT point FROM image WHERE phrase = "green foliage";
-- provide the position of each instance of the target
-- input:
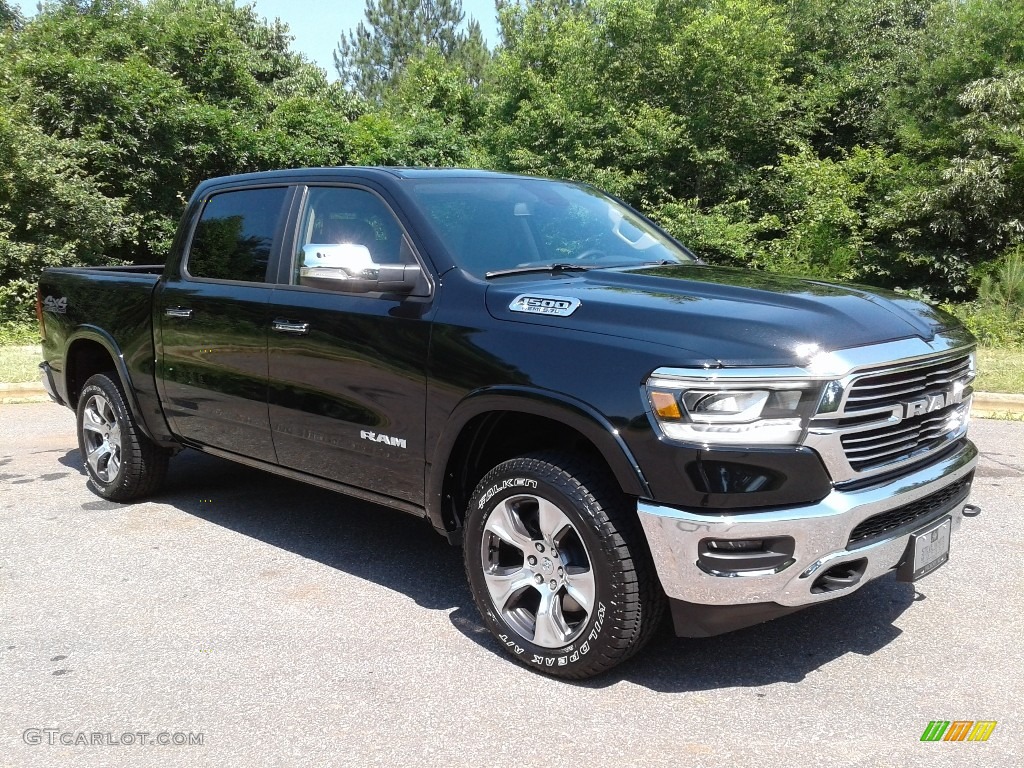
(10, 18)
(724, 234)
(1003, 291)
(992, 326)
(372, 56)
(52, 212)
(657, 102)
(997, 316)
(112, 112)
(874, 140)
(20, 333)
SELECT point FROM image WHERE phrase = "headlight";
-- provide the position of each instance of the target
(747, 412)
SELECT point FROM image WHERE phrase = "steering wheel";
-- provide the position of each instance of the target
(595, 253)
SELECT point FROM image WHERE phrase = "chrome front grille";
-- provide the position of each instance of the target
(886, 418)
(888, 387)
(888, 444)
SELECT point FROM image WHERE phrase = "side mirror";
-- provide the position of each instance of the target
(349, 267)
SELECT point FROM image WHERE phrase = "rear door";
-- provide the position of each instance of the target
(348, 370)
(214, 320)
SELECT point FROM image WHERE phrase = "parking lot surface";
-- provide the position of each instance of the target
(242, 619)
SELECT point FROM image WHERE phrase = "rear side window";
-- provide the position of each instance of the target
(234, 235)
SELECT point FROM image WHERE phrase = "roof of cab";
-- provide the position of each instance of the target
(365, 172)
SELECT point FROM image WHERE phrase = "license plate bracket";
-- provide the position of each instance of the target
(927, 550)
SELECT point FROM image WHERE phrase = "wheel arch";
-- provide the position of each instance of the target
(91, 350)
(476, 438)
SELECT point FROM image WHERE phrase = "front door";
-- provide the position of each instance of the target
(348, 370)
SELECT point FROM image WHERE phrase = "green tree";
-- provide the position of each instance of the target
(9, 17)
(848, 59)
(371, 56)
(657, 101)
(957, 119)
(116, 109)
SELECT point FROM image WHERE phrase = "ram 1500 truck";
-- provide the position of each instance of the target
(607, 425)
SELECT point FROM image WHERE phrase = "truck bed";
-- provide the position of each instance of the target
(108, 306)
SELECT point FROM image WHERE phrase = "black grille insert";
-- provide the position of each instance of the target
(886, 522)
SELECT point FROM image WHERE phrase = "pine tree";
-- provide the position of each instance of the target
(372, 55)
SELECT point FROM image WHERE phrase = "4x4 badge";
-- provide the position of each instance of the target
(55, 305)
(537, 304)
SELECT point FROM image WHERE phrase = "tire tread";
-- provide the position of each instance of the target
(635, 583)
(144, 463)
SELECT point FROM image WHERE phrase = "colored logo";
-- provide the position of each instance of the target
(959, 730)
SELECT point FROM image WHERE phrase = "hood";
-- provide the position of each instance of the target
(736, 317)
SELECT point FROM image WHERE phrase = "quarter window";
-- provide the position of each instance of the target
(234, 236)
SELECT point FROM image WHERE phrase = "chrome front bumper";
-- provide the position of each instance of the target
(821, 532)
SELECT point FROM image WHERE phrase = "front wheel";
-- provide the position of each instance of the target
(123, 464)
(558, 566)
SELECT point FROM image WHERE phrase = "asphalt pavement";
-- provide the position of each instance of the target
(240, 619)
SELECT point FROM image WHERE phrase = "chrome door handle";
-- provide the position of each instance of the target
(282, 326)
(182, 312)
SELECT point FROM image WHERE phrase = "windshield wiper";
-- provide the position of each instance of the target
(554, 268)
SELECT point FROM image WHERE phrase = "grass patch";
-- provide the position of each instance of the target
(18, 334)
(19, 363)
(1000, 370)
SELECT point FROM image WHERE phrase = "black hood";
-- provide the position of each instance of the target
(736, 317)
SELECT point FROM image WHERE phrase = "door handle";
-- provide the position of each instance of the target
(283, 326)
(182, 312)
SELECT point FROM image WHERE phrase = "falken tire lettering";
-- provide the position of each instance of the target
(512, 482)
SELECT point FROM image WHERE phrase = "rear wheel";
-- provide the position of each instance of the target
(123, 464)
(558, 566)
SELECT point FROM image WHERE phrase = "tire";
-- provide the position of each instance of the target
(558, 566)
(123, 464)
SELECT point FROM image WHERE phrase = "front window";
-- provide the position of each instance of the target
(490, 225)
(346, 234)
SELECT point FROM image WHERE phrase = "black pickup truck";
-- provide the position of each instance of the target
(607, 425)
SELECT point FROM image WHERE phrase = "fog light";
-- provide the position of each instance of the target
(737, 545)
(745, 557)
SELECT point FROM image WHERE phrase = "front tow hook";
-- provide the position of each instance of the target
(971, 510)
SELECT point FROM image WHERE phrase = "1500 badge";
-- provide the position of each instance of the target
(536, 304)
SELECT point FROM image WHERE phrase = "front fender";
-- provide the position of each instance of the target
(573, 413)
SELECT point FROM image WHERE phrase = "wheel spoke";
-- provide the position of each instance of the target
(552, 521)
(107, 413)
(506, 525)
(114, 438)
(91, 424)
(504, 585)
(94, 419)
(550, 629)
(113, 463)
(97, 457)
(580, 587)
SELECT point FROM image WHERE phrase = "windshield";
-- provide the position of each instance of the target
(492, 225)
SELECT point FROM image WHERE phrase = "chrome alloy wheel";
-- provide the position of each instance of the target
(537, 571)
(102, 436)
